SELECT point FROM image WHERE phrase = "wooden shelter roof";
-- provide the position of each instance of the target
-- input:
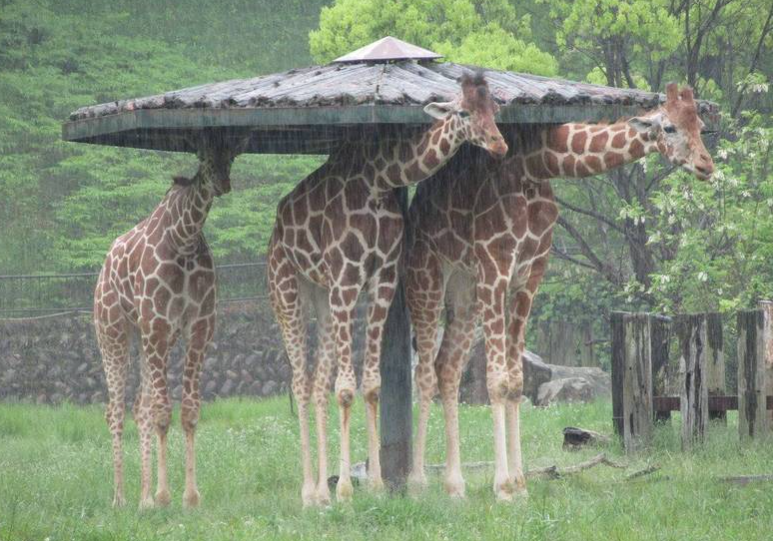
(307, 110)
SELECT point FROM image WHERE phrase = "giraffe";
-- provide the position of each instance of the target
(483, 231)
(158, 282)
(339, 233)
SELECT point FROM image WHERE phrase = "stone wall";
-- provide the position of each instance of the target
(51, 359)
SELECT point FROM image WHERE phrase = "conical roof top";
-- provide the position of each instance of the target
(388, 49)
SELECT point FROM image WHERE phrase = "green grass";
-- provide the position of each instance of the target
(56, 483)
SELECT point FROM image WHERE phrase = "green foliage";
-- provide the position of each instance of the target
(61, 204)
(481, 32)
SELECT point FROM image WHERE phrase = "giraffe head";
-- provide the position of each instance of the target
(676, 128)
(472, 114)
(216, 155)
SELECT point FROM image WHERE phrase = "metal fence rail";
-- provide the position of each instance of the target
(30, 294)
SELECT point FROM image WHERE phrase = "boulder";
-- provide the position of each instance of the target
(572, 389)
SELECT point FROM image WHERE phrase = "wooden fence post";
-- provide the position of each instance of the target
(767, 309)
(715, 362)
(660, 330)
(632, 379)
(752, 415)
(694, 399)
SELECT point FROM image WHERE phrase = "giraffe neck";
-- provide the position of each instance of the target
(408, 162)
(188, 208)
(581, 150)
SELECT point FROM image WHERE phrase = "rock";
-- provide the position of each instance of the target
(269, 388)
(209, 388)
(600, 380)
(225, 390)
(535, 373)
(574, 389)
(82, 368)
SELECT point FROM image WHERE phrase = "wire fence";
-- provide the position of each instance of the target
(25, 295)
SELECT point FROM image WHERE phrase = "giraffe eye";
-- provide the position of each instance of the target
(464, 114)
(669, 129)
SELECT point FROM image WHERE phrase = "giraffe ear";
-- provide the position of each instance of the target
(439, 110)
(646, 124)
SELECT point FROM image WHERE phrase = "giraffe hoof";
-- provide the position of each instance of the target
(376, 484)
(417, 481)
(344, 490)
(163, 498)
(504, 491)
(323, 498)
(308, 496)
(147, 503)
(119, 501)
(191, 499)
(455, 488)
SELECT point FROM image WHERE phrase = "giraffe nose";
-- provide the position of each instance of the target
(705, 169)
(498, 145)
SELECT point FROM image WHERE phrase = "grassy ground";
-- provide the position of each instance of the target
(55, 483)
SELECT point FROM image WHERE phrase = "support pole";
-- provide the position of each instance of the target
(396, 415)
(694, 395)
(632, 379)
(752, 417)
(715, 362)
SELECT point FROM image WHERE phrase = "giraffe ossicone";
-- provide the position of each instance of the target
(338, 234)
(482, 233)
(158, 283)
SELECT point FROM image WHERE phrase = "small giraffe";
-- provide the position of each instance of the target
(338, 233)
(483, 231)
(158, 280)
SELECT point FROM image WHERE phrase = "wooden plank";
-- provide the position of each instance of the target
(396, 409)
(617, 330)
(715, 362)
(632, 379)
(691, 330)
(660, 329)
(752, 419)
(767, 309)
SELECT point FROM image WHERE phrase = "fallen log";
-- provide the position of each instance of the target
(551, 472)
(743, 480)
(575, 438)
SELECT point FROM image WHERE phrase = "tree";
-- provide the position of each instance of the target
(482, 32)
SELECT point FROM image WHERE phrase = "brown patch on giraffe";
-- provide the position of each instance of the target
(557, 139)
(405, 152)
(300, 210)
(614, 159)
(620, 140)
(578, 142)
(541, 216)
(208, 304)
(172, 275)
(388, 228)
(413, 172)
(445, 146)
(593, 163)
(349, 295)
(568, 166)
(536, 167)
(394, 174)
(493, 220)
(599, 142)
(581, 170)
(636, 148)
(436, 136)
(551, 162)
(430, 159)
(355, 195)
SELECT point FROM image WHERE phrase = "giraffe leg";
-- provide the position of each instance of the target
(520, 306)
(322, 387)
(492, 298)
(345, 380)
(157, 341)
(198, 338)
(287, 303)
(113, 338)
(449, 365)
(143, 416)
(424, 288)
(381, 293)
